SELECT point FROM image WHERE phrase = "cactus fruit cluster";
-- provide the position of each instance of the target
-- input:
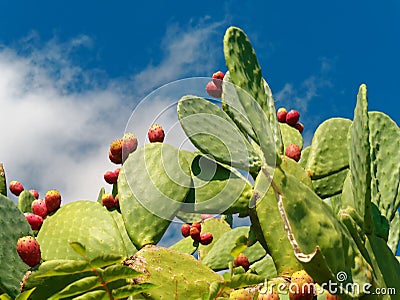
(325, 213)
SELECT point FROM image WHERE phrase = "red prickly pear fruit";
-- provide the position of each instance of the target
(293, 151)
(329, 296)
(213, 90)
(197, 225)
(52, 200)
(268, 296)
(292, 117)
(241, 261)
(39, 208)
(185, 230)
(195, 234)
(301, 286)
(111, 177)
(241, 294)
(34, 220)
(116, 201)
(29, 250)
(281, 115)
(108, 201)
(16, 187)
(115, 159)
(129, 145)
(217, 78)
(34, 193)
(299, 126)
(156, 134)
(206, 238)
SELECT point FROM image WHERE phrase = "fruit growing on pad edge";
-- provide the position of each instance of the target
(29, 250)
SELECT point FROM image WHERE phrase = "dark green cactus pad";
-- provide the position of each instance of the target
(385, 151)
(25, 200)
(330, 185)
(394, 233)
(329, 151)
(316, 235)
(3, 182)
(266, 214)
(290, 135)
(220, 255)
(154, 179)
(13, 226)
(45, 287)
(385, 265)
(360, 159)
(219, 188)
(213, 132)
(85, 222)
(130, 248)
(218, 228)
(245, 73)
(176, 275)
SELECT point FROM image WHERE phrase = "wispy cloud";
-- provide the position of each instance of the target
(193, 50)
(299, 97)
(58, 118)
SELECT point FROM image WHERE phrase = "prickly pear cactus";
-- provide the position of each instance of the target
(176, 275)
(13, 226)
(85, 222)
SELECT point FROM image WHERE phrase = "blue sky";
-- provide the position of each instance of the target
(74, 69)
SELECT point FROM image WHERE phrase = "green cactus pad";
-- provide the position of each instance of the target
(232, 106)
(291, 167)
(218, 228)
(213, 132)
(304, 156)
(360, 159)
(245, 73)
(394, 233)
(3, 182)
(265, 267)
(220, 255)
(85, 222)
(266, 214)
(161, 188)
(176, 275)
(218, 188)
(385, 149)
(13, 226)
(130, 248)
(330, 185)
(185, 245)
(316, 235)
(290, 135)
(25, 200)
(329, 148)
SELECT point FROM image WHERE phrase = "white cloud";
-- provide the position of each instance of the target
(299, 97)
(187, 51)
(58, 119)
